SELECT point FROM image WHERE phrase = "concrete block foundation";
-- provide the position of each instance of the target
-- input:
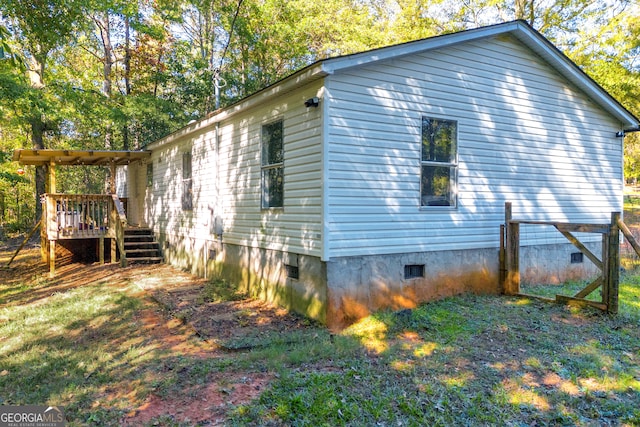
(358, 286)
(343, 290)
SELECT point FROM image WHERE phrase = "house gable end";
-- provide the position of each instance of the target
(520, 30)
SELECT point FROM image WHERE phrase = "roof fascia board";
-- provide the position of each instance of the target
(437, 42)
(306, 75)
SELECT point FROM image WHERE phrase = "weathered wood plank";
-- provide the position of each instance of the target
(24, 242)
(502, 257)
(605, 268)
(583, 228)
(614, 264)
(52, 258)
(589, 288)
(570, 237)
(570, 227)
(512, 282)
(101, 250)
(629, 236)
(537, 297)
(579, 301)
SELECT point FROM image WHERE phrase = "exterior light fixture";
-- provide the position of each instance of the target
(622, 133)
(312, 102)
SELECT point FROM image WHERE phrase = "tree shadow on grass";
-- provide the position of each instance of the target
(471, 361)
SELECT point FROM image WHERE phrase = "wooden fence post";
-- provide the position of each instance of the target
(512, 255)
(613, 271)
(502, 274)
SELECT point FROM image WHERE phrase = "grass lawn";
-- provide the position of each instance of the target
(106, 352)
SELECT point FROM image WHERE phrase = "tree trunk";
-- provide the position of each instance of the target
(38, 127)
(127, 77)
(104, 25)
(524, 9)
(37, 140)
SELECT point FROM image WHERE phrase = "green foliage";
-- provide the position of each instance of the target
(220, 290)
(164, 55)
(12, 178)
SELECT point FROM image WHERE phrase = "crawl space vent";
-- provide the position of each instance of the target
(577, 258)
(413, 271)
(292, 272)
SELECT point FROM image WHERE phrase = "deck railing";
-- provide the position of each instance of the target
(78, 216)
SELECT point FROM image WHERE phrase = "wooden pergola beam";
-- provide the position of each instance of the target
(78, 157)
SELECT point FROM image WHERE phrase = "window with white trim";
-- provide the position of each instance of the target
(439, 164)
(187, 183)
(272, 165)
(149, 174)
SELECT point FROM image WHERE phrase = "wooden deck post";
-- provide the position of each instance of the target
(52, 258)
(44, 224)
(101, 250)
(51, 181)
(112, 178)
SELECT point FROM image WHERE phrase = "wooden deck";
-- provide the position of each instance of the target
(82, 216)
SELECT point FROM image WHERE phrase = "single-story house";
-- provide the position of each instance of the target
(379, 179)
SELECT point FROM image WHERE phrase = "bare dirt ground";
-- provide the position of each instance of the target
(179, 314)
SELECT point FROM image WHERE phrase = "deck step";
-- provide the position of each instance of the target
(145, 260)
(141, 246)
(139, 238)
(137, 230)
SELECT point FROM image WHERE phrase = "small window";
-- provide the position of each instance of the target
(272, 165)
(292, 272)
(439, 162)
(187, 184)
(149, 174)
(413, 271)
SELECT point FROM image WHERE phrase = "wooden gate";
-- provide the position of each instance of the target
(609, 265)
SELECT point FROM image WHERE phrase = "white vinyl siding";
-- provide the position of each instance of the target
(227, 183)
(525, 135)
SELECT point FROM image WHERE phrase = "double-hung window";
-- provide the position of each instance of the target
(272, 165)
(187, 182)
(149, 174)
(439, 163)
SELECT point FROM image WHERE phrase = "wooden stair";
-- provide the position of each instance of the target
(141, 246)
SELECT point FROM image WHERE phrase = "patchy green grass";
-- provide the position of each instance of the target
(468, 360)
(569, 289)
(220, 290)
(65, 350)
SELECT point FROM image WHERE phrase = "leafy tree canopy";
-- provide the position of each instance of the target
(119, 74)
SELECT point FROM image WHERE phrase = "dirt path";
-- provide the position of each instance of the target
(181, 312)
